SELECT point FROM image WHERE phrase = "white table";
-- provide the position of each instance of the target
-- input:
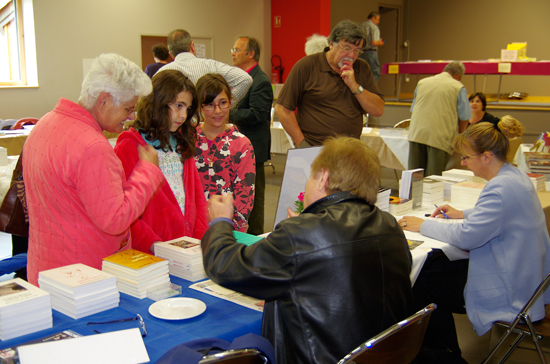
(391, 145)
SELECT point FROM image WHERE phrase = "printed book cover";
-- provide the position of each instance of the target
(133, 259)
(17, 293)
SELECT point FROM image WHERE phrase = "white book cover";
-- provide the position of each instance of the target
(77, 278)
(118, 347)
(16, 294)
(106, 297)
(184, 245)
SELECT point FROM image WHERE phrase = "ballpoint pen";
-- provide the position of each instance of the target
(442, 212)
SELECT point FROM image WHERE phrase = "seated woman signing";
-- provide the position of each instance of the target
(164, 120)
(505, 231)
(224, 157)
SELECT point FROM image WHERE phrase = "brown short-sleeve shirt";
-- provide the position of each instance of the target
(326, 105)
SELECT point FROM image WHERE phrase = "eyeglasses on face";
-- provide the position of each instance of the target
(237, 50)
(222, 105)
(465, 157)
(348, 49)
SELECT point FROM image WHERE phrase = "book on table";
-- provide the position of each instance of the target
(383, 199)
(24, 309)
(137, 271)
(184, 256)
(9, 355)
(78, 290)
(400, 206)
(412, 186)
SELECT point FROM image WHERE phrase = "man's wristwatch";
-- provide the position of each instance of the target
(359, 90)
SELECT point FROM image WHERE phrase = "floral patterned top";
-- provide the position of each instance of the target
(228, 166)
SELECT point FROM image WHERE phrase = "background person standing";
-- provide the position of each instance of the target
(253, 116)
(370, 53)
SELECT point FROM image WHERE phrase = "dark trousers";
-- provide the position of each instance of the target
(19, 244)
(256, 217)
(442, 282)
(433, 160)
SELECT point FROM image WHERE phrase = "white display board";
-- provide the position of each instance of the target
(295, 176)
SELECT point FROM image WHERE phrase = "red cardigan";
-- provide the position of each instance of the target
(162, 219)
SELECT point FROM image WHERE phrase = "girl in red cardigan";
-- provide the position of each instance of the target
(165, 121)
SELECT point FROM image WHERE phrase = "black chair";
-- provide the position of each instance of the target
(523, 326)
(398, 344)
(241, 356)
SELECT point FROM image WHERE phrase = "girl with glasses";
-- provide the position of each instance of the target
(224, 157)
(165, 121)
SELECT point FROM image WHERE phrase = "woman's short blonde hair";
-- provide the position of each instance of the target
(486, 137)
(351, 166)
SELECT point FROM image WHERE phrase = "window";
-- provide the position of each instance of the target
(17, 44)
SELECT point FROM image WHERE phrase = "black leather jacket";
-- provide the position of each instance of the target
(332, 277)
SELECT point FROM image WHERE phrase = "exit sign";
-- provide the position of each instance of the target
(277, 22)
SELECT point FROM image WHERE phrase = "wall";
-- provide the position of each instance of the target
(299, 20)
(479, 29)
(68, 31)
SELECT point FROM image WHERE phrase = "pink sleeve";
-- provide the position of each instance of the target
(112, 203)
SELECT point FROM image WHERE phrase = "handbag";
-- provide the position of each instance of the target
(14, 218)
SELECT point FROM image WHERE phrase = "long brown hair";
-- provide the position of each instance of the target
(154, 118)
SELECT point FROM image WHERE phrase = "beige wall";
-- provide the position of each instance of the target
(68, 31)
(479, 29)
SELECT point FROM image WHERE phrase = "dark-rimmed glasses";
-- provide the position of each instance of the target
(464, 157)
(137, 318)
(222, 105)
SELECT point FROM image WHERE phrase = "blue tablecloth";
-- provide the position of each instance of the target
(222, 319)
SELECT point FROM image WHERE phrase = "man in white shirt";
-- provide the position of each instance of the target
(182, 49)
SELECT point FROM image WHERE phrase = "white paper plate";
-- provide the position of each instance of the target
(178, 308)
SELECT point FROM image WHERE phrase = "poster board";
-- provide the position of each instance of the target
(296, 173)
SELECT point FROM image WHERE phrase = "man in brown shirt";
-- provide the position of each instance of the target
(331, 90)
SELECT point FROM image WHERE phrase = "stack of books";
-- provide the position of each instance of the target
(400, 206)
(448, 182)
(383, 199)
(24, 309)
(78, 290)
(538, 162)
(137, 272)
(465, 194)
(433, 192)
(538, 181)
(465, 174)
(184, 256)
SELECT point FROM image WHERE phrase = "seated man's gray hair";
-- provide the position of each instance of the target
(349, 31)
(351, 166)
(118, 76)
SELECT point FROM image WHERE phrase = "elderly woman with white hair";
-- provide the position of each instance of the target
(80, 204)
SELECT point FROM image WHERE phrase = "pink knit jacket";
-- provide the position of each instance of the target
(80, 204)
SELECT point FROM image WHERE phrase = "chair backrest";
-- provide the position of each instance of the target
(240, 356)
(512, 150)
(398, 344)
(403, 124)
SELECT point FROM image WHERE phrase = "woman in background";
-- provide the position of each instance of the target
(505, 233)
(224, 157)
(478, 104)
(164, 121)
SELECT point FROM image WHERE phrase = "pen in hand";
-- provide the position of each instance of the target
(442, 212)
